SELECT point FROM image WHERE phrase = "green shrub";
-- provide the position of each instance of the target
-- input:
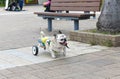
(2, 2)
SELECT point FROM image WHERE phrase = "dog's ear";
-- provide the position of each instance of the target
(60, 32)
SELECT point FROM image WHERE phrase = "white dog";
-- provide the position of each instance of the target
(55, 44)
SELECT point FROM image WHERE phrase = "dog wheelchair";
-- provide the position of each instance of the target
(53, 46)
(41, 44)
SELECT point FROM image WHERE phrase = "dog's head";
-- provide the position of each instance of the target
(61, 38)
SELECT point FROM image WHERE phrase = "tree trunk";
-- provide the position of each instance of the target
(109, 19)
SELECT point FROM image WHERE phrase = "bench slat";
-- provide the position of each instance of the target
(93, 4)
(77, 15)
(76, 9)
(75, 0)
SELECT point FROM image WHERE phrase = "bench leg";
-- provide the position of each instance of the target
(49, 24)
(76, 24)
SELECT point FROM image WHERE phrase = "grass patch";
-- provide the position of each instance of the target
(96, 31)
(2, 5)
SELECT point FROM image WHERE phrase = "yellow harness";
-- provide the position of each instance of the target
(44, 39)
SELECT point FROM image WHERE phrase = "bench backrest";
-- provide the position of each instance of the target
(75, 5)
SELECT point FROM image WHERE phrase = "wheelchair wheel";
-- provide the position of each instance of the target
(35, 50)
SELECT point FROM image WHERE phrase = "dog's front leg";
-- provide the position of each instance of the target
(52, 54)
(64, 51)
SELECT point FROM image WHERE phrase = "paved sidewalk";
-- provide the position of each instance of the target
(104, 64)
(23, 56)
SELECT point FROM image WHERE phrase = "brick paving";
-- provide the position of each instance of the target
(98, 65)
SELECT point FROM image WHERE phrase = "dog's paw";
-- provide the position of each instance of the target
(64, 54)
(53, 56)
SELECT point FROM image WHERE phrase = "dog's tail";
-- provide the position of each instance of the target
(42, 34)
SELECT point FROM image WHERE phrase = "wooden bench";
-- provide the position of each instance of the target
(70, 6)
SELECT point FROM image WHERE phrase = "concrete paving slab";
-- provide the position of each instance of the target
(23, 56)
(116, 77)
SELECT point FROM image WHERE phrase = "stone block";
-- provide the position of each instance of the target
(100, 39)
